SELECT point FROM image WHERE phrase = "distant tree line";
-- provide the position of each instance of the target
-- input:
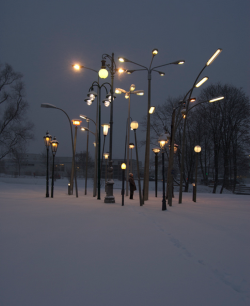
(220, 128)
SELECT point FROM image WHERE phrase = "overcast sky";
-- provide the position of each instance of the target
(42, 39)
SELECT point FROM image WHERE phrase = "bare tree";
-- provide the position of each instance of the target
(15, 128)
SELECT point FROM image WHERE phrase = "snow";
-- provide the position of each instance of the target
(80, 251)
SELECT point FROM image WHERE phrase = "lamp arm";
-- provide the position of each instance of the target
(172, 63)
(145, 68)
(89, 69)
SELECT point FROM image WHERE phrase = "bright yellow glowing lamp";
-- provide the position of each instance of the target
(76, 122)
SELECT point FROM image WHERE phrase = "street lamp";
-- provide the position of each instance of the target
(127, 96)
(106, 156)
(76, 123)
(197, 149)
(103, 73)
(163, 140)
(89, 100)
(48, 105)
(123, 167)
(105, 127)
(47, 141)
(149, 72)
(185, 122)
(92, 95)
(134, 126)
(156, 151)
(87, 154)
(131, 147)
(54, 145)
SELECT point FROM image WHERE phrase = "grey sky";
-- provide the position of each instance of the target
(42, 39)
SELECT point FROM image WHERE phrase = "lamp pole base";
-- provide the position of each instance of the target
(109, 198)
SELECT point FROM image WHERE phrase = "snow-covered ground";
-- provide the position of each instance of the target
(80, 251)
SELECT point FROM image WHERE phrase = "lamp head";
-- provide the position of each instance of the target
(103, 72)
(83, 117)
(132, 87)
(197, 149)
(213, 57)
(155, 52)
(47, 139)
(131, 145)
(134, 125)
(151, 110)
(156, 150)
(77, 66)
(106, 127)
(123, 166)
(202, 81)
(106, 155)
(76, 122)
(54, 145)
(106, 102)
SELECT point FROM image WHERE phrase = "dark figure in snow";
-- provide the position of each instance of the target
(132, 185)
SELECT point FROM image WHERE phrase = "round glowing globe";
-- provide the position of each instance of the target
(103, 73)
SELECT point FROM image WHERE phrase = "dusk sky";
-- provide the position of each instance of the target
(42, 39)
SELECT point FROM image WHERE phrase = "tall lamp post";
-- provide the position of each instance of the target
(47, 105)
(54, 145)
(107, 101)
(127, 96)
(47, 140)
(149, 72)
(123, 167)
(156, 151)
(80, 67)
(103, 73)
(134, 126)
(197, 150)
(86, 174)
(214, 56)
(163, 140)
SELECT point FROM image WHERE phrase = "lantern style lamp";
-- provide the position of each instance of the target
(163, 139)
(134, 126)
(106, 127)
(123, 167)
(47, 141)
(156, 151)
(54, 145)
(103, 72)
(197, 149)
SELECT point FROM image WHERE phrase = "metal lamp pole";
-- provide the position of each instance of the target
(123, 167)
(131, 147)
(54, 145)
(128, 96)
(78, 67)
(103, 73)
(163, 139)
(134, 126)
(197, 150)
(47, 141)
(156, 151)
(47, 105)
(147, 150)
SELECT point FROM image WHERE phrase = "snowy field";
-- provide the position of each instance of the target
(70, 251)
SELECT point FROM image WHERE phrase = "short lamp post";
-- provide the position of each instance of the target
(106, 156)
(54, 146)
(197, 149)
(123, 167)
(47, 140)
(134, 126)
(131, 147)
(76, 123)
(163, 140)
(156, 151)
